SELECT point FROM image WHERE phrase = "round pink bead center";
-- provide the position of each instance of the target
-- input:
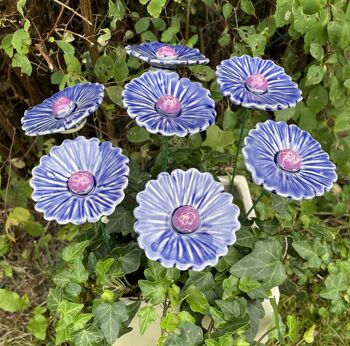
(186, 219)
(81, 182)
(166, 52)
(289, 160)
(63, 107)
(256, 83)
(168, 105)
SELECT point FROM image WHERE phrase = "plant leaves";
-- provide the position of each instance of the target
(109, 318)
(263, 264)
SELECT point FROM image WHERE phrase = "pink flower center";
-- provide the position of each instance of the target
(168, 105)
(166, 52)
(289, 160)
(63, 107)
(256, 83)
(186, 219)
(81, 182)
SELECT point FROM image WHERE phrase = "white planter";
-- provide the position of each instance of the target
(243, 193)
(152, 334)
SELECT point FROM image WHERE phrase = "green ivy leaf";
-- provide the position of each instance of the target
(20, 5)
(74, 251)
(283, 14)
(54, 298)
(110, 317)
(230, 119)
(37, 326)
(190, 335)
(11, 302)
(121, 221)
(147, 315)
(227, 10)
(91, 336)
(203, 73)
(263, 264)
(78, 273)
(21, 41)
(197, 300)
(316, 51)
(120, 70)
(155, 7)
(101, 269)
(292, 324)
(154, 291)
(114, 93)
(317, 99)
(313, 251)
(217, 138)
(69, 310)
(256, 312)
(23, 63)
(80, 321)
(309, 335)
(137, 134)
(116, 10)
(247, 284)
(104, 68)
(126, 259)
(335, 284)
(247, 7)
(142, 25)
(314, 75)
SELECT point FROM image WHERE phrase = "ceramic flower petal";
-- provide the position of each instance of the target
(185, 219)
(80, 181)
(166, 56)
(166, 104)
(286, 160)
(65, 110)
(257, 83)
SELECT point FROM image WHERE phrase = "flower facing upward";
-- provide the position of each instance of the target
(286, 160)
(257, 83)
(166, 56)
(65, 110)
(166, 104)
(185, 219)
(80, 181)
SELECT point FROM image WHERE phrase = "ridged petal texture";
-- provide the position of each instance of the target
(184, 55)
(52, 195)
(281, 93)
(316, 175)
(142, 93)
(41, 120)
(196, 250)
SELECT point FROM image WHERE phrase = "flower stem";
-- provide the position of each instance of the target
(235, 161)
(105, 236)
(164, 152)
(255, 203)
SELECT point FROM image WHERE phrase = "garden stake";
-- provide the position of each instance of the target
(255, 204)
(235, 163)
(164, 152)
(105, 236)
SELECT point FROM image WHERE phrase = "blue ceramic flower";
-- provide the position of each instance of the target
(166, 56)
(286, 160)
(166, 104)
(185, 219)
(257, 83)
(80, 181)
(65, 110)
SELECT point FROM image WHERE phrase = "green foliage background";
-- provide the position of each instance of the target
(303, 247)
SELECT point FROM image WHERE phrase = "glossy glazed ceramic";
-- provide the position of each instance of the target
(166, 56)
(208, 217)
(163, 103)
(80, 181)
(257, 83)
(65, 111)
(286, 160)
